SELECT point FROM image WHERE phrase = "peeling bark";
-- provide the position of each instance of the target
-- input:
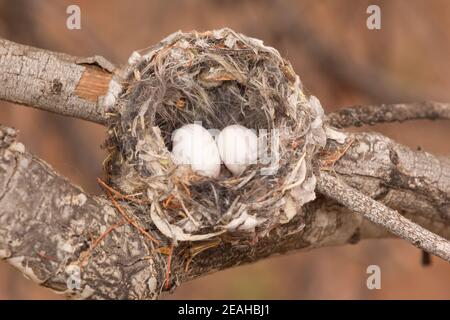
(51, 229)
(54, 82)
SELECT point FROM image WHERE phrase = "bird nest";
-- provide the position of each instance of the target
(218, 78)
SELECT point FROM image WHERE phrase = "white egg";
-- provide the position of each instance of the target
(193, 145)
(238, 148)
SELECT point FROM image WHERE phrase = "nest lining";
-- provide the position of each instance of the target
(218, 78)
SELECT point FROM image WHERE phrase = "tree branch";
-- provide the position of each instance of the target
(357, 116)
(54, 82)
(378, 85)
(48, 235)
(384, 216)
(76, 87)
(45, 234)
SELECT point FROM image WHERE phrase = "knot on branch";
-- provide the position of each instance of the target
(8, 142)
(7, 136)
(218, 78)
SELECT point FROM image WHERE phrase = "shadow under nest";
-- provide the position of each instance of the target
(218, 78)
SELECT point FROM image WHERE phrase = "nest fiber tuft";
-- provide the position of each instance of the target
(219, 78)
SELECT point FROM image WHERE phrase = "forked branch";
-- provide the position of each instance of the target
(65, 228)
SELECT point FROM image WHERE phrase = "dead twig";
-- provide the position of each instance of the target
(99, 239)
(357, 116)
(169, 262)
(329, 159)
(117, 194)
(386, 217)
(127, 218)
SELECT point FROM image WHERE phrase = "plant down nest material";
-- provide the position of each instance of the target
(218, 78)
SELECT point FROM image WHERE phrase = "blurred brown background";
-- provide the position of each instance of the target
(338, 59)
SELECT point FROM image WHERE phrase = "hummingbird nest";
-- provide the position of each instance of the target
(218, 78)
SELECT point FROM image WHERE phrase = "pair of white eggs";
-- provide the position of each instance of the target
(235, 146)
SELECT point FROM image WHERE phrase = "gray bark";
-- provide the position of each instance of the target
(384, 216)
(43, 233)
(54, 82)
(49, 227)
(357, 116)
